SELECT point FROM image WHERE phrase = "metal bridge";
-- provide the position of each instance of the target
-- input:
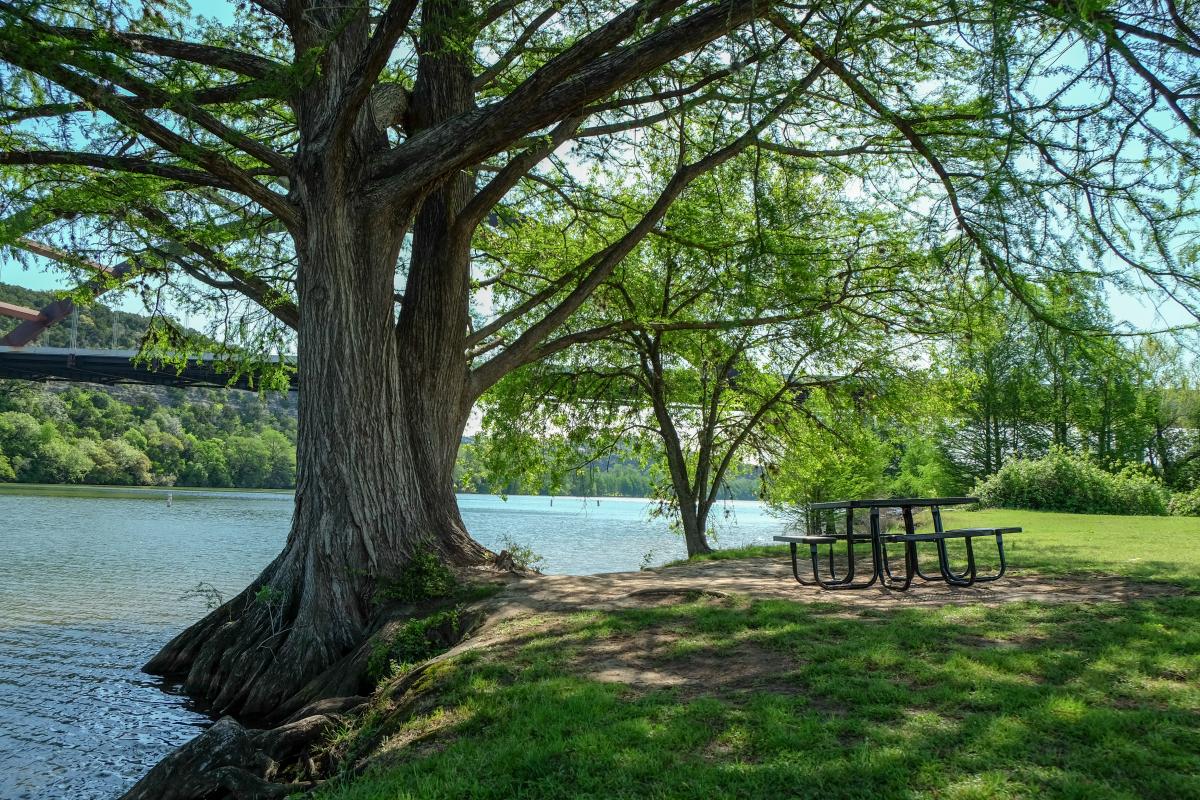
(17, 360)
(113, 367)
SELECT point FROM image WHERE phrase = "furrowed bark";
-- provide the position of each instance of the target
(380, 418)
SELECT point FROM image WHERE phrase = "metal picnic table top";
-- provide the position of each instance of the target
(894, 502)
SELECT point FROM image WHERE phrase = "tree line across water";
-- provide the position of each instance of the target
(143, 436)
(1033, 418)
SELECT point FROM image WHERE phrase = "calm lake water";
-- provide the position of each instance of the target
(91, 584)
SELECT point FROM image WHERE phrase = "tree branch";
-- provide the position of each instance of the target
(439, 150)
(370, 64)
(216, 95)
(121, 110)
(134, 164)
(225, 58)
(601, 264)
(247, 283)
(485, 78)
(512, 172)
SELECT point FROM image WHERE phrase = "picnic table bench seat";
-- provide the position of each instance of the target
(823, 538)
(956, 533)
(881, 568)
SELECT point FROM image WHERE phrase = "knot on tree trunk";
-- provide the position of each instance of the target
(389, 106)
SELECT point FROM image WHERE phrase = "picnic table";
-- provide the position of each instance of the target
(878, 540)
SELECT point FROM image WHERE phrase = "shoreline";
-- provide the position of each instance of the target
(547, 664)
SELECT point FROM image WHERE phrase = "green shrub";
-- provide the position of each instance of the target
(1062, 481)
(416, 641)
(1185, 504)
(523, 556)
(425, 577)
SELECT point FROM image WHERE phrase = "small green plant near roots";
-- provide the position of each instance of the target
(425, 577)
(212, 597)
(417, 640)
(272, 600)
(523, 556)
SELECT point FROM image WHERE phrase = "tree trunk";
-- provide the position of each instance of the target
(695, 526)
(381, 410)
(376, 445)
(693, 523)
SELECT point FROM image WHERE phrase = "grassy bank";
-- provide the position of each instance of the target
(1146, 548)
(1017, 701)
(818, 699)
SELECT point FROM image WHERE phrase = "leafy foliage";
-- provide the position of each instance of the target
(424, 577)
(144, 436)
(1185, 504)
(523, 556)
(1034, 386)
(417, 640)
(1061, 481)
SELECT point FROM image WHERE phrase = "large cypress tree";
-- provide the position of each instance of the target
(329, 163)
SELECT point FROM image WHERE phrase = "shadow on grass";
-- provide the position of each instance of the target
(1024, 700)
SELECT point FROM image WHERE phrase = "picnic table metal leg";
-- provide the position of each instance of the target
(832, 565)
(937, 527)
(965, 578)
(843, 584)
(910, 560)
(1003, 563)
(910, 556)
(848, 581)
(851, 568)
(796, 567)
(849, 545)
(948, 575)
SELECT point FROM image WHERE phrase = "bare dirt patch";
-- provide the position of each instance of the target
(651, 659)
(771, 578)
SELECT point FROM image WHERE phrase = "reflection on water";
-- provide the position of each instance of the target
(91, 584)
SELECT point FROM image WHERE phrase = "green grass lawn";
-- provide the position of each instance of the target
(1146, 548)
(1018, 701)
(1075, 701)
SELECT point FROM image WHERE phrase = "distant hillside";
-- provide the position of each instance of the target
(78, 433)
(100, 327)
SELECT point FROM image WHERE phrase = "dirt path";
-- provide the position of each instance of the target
(771, 577)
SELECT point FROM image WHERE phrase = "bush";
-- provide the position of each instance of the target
(425, 577)
(1062, 481)
(1185, 504)
(417, 640)
(523, 556)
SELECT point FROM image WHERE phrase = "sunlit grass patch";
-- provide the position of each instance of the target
(1019, 700)
(1145, 548)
